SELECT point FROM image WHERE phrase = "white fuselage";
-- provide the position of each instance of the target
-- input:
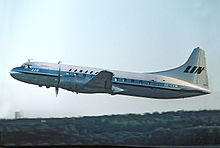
(75, 78)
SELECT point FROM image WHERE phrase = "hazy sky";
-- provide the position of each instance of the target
(127, 35)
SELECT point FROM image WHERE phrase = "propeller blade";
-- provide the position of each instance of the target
(56, 90)
(58, 79)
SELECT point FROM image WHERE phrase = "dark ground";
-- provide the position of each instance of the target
(182, 128)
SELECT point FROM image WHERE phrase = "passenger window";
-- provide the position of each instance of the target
(81, 71)
(86, 71)
(96, 73)
(132, 81)
(91, 72)
(70, 69)
(140, 82)
(124, 80)
(75, 70)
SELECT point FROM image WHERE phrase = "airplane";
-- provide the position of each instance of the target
(187, 80)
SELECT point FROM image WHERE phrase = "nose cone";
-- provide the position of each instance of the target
(14, 73)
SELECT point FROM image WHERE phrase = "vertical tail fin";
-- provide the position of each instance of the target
(193, 71)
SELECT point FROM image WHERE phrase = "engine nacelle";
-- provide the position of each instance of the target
(72, 83)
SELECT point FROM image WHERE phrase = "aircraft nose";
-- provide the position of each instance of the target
(14, 73)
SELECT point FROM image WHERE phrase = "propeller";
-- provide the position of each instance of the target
(58, 80)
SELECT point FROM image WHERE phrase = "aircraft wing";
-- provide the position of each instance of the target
(103, 80)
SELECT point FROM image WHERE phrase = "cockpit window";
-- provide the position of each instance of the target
(26, 66)
(22, 66)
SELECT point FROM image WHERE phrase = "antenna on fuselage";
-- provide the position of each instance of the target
(58, 79)
(29, 60)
